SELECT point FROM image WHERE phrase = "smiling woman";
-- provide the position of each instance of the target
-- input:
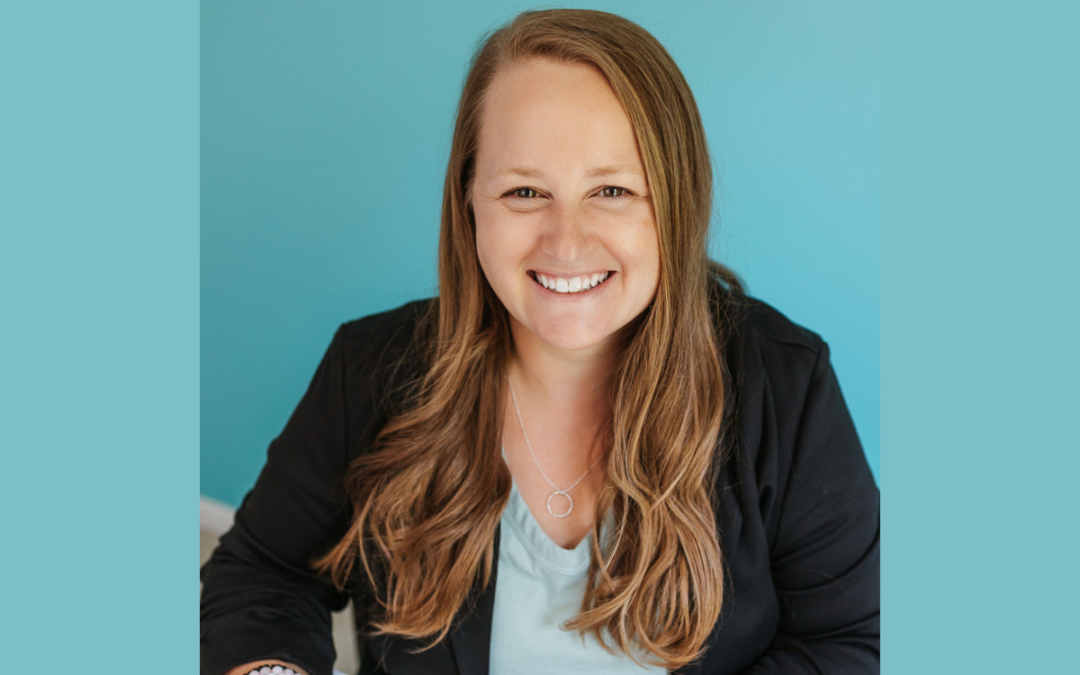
(586, 211)
(592, 452)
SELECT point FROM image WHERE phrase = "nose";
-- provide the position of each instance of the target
(566, 234)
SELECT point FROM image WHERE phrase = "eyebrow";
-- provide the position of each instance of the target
(596, 172)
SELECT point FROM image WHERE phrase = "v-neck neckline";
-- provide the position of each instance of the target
(542, 547)
(526, 528)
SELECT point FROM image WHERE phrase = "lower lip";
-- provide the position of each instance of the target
(570, 297)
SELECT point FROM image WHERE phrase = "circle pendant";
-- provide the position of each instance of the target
(568, 498)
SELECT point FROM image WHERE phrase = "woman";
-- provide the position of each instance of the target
(592, 452)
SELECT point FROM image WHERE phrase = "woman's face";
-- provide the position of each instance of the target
(559, 195)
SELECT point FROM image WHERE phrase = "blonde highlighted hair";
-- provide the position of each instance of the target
(429, 495)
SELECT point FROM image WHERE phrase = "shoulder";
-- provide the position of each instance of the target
(785, 352)
(761, 342)
(378, 351)
(375, 358)
(387, 325)
(773, 330)
(378, 337)
(773, 363)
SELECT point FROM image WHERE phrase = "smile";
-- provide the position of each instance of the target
(579, 285)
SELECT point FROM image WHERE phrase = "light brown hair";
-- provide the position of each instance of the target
(429, 495)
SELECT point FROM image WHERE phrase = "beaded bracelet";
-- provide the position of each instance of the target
(273, 668)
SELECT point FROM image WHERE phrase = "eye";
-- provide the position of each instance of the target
(524, 193)
(612, 191)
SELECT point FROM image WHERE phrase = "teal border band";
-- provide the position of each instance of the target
(979, 337)
(99, 244)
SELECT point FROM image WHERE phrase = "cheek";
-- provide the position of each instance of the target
(642, 249)
(650, 278)
(483, 245)
(485, 234)
(495, 248)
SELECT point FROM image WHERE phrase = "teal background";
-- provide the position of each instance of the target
(99, 274)
(325, 135)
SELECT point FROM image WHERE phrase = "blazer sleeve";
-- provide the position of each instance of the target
(260, 599)
(825, 556)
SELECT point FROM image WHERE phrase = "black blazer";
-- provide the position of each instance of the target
(798, 518)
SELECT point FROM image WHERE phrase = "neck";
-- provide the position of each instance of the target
(578, 382)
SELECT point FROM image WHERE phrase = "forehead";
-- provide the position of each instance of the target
(561, 115)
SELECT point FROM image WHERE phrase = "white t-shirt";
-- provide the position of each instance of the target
(538, 586)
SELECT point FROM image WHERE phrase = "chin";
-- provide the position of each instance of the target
(572, 340)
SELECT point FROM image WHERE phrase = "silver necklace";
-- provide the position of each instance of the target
(557, 492)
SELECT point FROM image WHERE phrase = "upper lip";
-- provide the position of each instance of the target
(568, 275)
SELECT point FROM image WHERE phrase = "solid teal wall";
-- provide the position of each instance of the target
(325, 133)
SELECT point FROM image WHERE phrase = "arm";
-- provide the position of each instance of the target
(825, 556)
(260, 598)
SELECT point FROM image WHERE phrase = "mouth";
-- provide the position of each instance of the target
(571, 287)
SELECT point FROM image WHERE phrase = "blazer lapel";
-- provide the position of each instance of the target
(470, 641)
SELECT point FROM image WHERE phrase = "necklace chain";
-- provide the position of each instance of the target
(558, 491)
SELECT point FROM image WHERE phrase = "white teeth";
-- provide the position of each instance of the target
(573, 285)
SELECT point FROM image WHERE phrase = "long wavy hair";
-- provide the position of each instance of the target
(429, 494)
